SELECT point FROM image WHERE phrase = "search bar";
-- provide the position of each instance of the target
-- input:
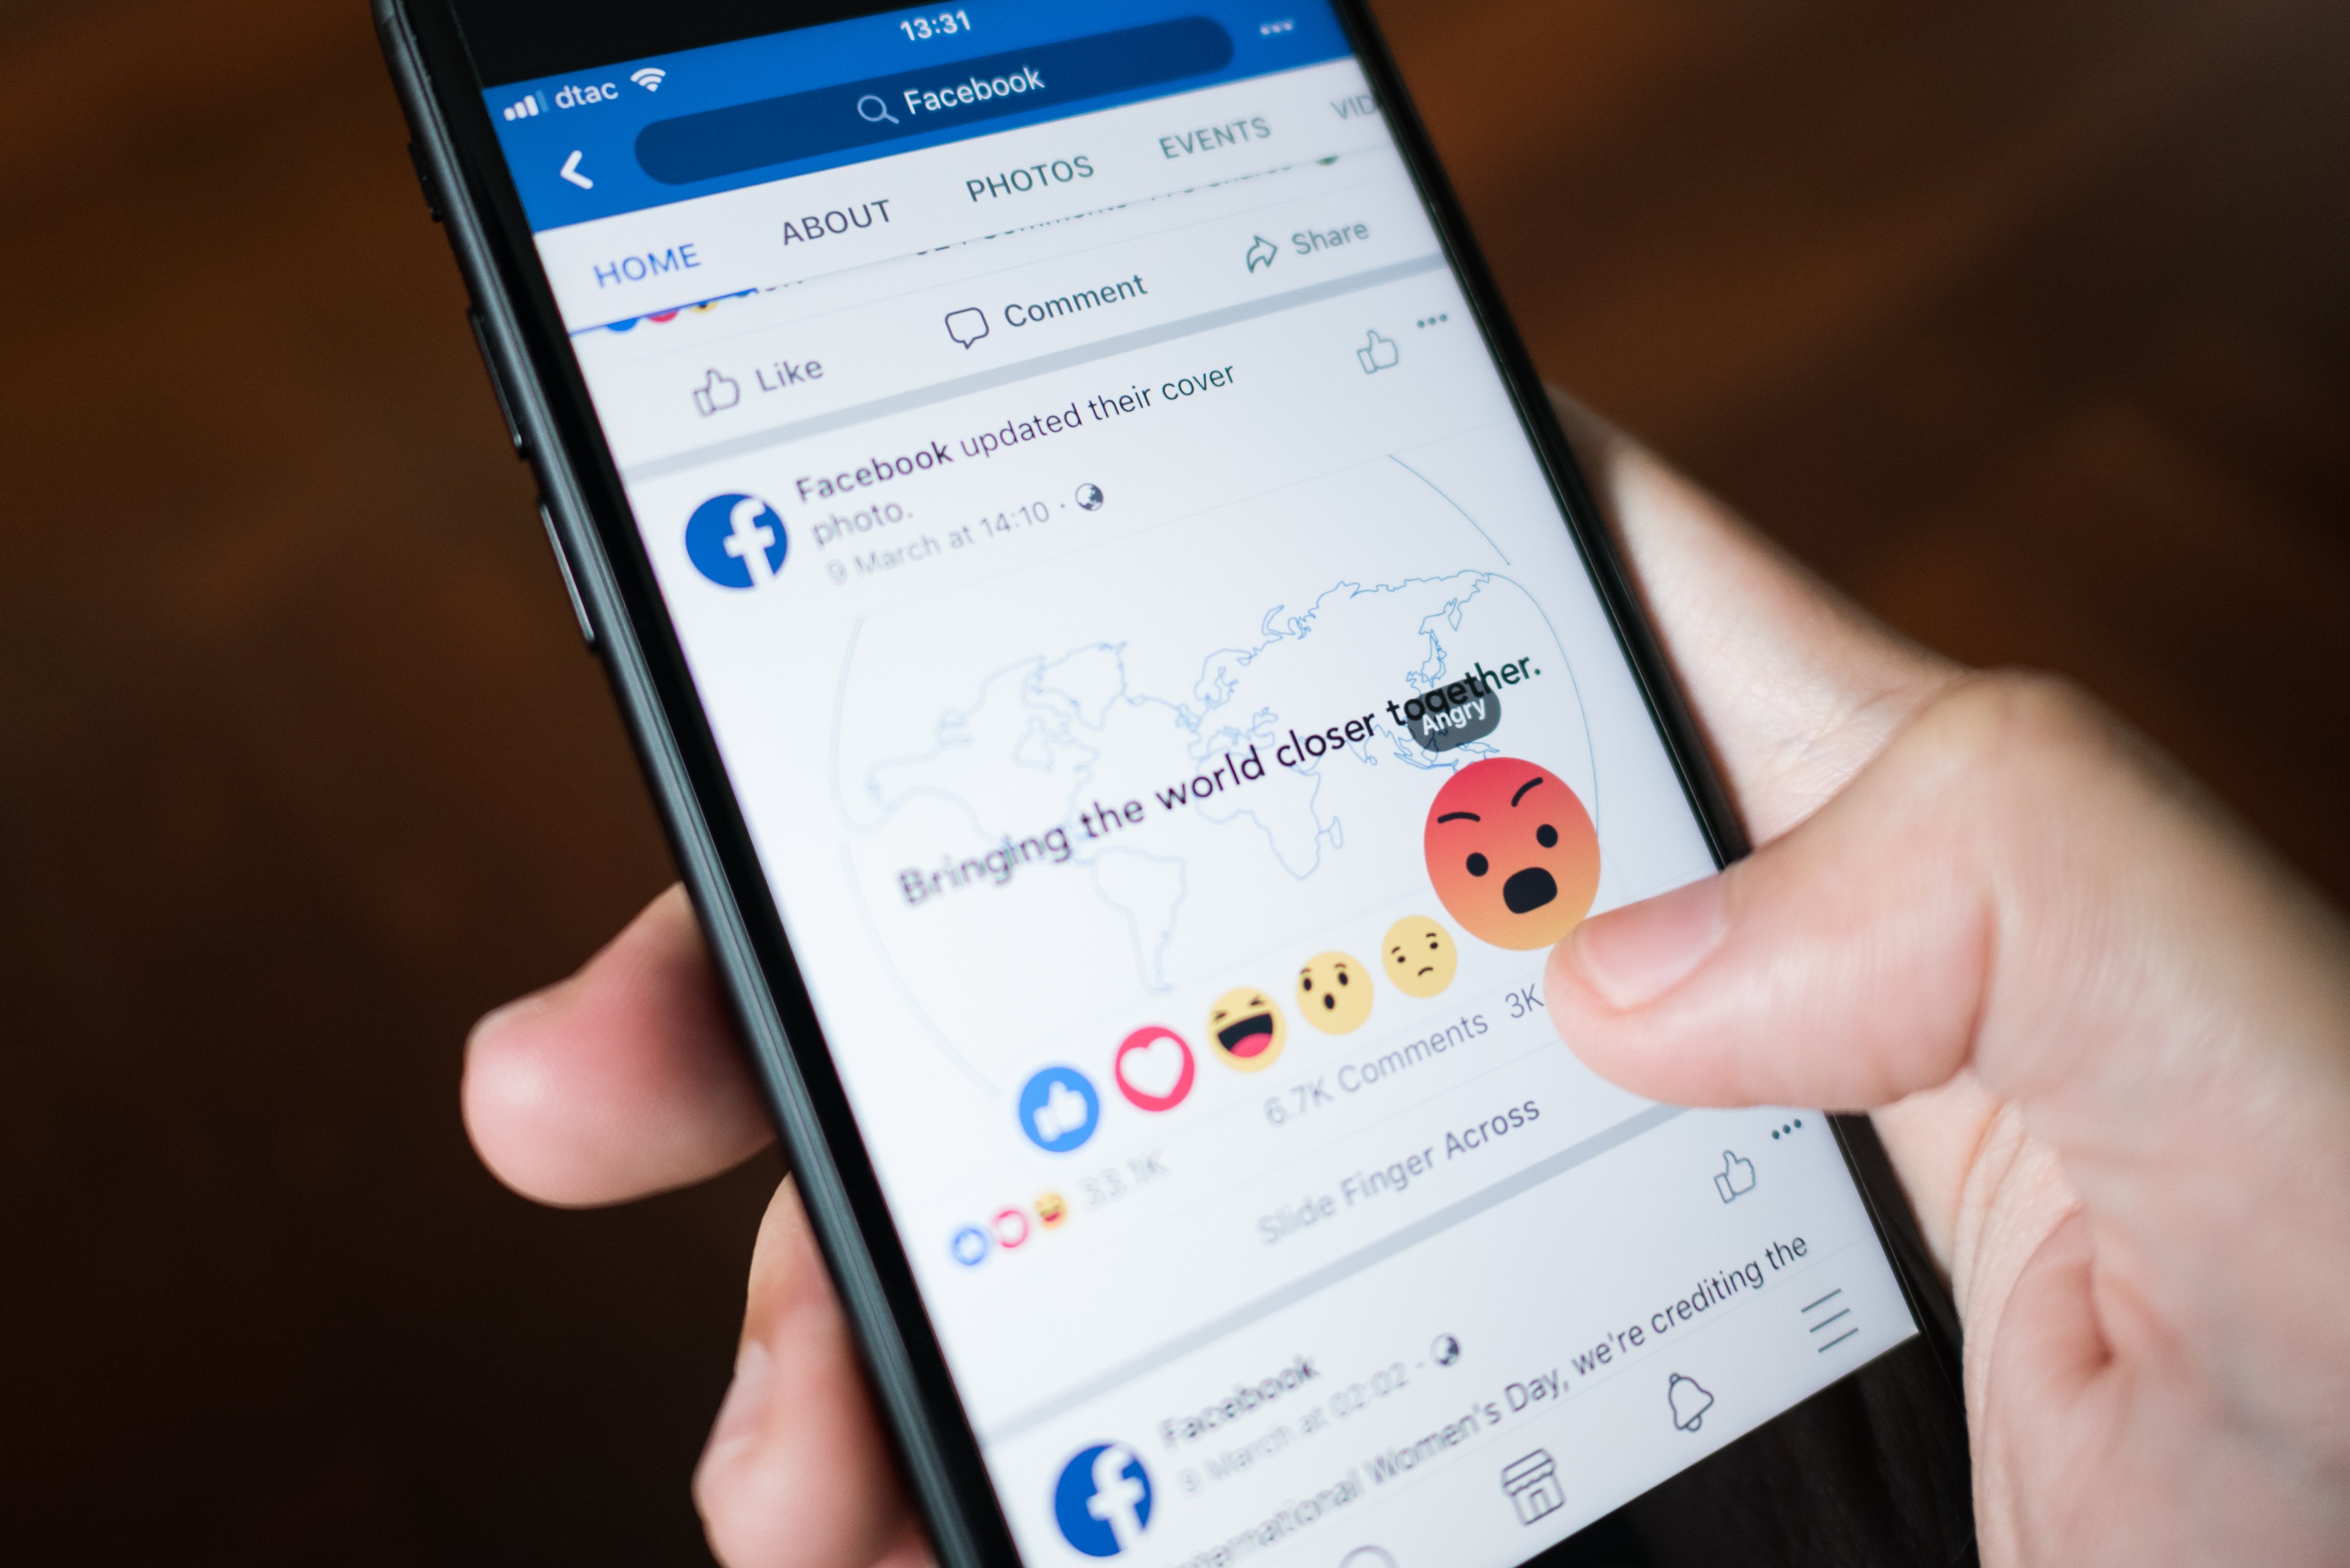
(747, 136)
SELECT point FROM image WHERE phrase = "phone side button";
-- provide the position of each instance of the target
(571, 583)
(424, 180)
(497, 383)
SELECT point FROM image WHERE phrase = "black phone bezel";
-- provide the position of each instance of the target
(600, 551)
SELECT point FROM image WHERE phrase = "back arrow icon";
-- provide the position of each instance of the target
(571, 172)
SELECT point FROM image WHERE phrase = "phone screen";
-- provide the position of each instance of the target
(1176, 721)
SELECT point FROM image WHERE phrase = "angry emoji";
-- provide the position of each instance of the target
(1513, 853)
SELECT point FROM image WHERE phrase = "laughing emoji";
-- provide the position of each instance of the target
(1246, 1029)
(1512, 853)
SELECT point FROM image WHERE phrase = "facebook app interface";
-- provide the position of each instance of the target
(1176, 723)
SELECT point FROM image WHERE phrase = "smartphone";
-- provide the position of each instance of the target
(1136, 686)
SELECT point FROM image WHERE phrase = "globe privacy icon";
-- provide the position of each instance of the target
(736, 541)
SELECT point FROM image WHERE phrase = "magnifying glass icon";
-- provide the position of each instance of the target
(872, 110)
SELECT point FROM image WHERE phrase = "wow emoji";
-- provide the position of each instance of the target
(1512, 853)
(1334, 991)
(1420, 957)
(1246, 1028)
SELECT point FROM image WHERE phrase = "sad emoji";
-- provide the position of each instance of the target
(1420, 957)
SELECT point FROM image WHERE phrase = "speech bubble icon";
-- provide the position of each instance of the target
(967, 327)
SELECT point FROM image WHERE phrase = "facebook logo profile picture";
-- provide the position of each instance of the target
(736, 541)
(1103, 1501)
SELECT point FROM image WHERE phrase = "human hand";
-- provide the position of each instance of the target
(2109, 1035)
(625, 1080)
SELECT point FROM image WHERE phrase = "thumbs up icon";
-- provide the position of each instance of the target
(1736, 1179)
(1064, 1112)
(1376, 354)
(716, 393)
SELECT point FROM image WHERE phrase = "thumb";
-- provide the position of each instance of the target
(2135, 1020)
(2014, 897)
(1841, 965)
(796, 1473)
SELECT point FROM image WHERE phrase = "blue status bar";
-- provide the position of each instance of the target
(642, 133)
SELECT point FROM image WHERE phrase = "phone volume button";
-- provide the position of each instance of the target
(497, 383)
(424, 180)
(570, 580)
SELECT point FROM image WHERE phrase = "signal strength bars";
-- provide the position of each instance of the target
(524, 108)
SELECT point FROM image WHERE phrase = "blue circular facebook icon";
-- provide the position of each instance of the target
(970, 1246)
(1103, 1500)
(1059, 1110)
(736, 541)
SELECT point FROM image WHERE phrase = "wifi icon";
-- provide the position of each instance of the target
(650, 79)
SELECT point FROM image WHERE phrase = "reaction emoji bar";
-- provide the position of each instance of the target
(1334, 991)
(1246, 1028)
(1512, 853)
(1420, 957)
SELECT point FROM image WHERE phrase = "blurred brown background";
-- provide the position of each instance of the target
(2025, 321)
